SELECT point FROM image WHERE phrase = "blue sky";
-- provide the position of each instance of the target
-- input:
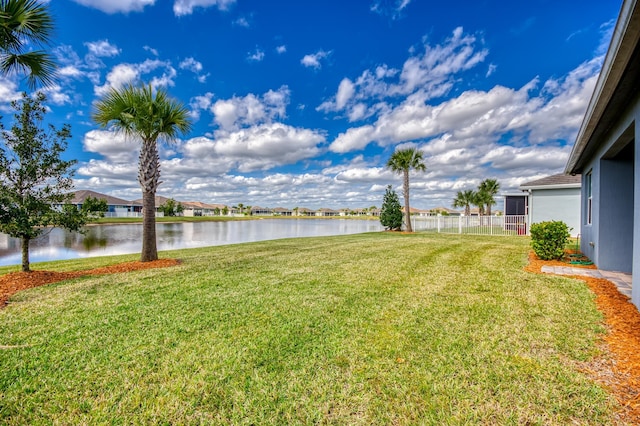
(301, 103)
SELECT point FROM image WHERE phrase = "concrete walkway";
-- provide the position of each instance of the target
(620, 279)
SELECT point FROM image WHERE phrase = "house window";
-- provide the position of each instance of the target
(589, 198)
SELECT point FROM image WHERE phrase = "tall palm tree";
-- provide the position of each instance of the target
(489, 189)
(24, 23)
(139, 113)
(465, 199)
(402, 161)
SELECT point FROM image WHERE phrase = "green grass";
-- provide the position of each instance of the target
(367, 329)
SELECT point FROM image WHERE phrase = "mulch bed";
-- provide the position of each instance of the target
(618, 369)
(13, 282)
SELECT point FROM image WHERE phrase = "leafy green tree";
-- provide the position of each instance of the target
(391, 211)
(140, 113)
(225, 211)
(35, 183)
(464, 199)
(95, 207)
(402, 161)
(25, 23)
(488, 189)
(171, 208)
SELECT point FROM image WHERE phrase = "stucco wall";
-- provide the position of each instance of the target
(614, 234)
(556, 204)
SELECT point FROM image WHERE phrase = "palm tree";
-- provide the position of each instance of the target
(489, 188)
(24, 23)
(139, 113)
(402, 161)
(465, 199)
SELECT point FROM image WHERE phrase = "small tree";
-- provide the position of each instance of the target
(391, 211)
(35, 183)
(95, 207)
(171, 208)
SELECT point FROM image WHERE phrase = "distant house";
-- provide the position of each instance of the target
(281, 211)
(197, 208)
(607, 154)
(303, 211)
(554, 197)
(443, 211)
(327, 212)
(261, 211)
(116, 207)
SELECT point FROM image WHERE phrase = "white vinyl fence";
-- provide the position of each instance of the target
(475, 225)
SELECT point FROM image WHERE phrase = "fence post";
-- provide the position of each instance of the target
(459, 224)
(438, 223)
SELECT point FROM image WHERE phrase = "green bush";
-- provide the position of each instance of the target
(391, 211)
(549, 239)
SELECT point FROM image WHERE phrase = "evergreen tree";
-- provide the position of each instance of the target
(391, 211)
(35, 183)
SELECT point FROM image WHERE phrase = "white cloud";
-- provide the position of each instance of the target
(102, 48)
(281, 49)
(117, 78)
(313, 60)
(241, 22)
(117, 6)
(191, 64)
(231, 114)
(8, 92)
(200, 103)
(151, 50)
(123, 74)
(255, 56)
(185, 7)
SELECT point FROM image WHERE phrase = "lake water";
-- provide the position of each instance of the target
(105, 240)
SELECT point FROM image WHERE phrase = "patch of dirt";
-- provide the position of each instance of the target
(13, 282)
(618, 369)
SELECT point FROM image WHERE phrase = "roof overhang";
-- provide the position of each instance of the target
(559, 186)
(599, 115)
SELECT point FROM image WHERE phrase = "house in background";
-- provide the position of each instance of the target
(607, 154)
(116, 207)
(554, 197)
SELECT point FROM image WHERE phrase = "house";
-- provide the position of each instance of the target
(303, 211)
(327, 212)
(261, 211)
(554, 197)
(607, 154)
(281, 211)
(442, 211)
(116, 207)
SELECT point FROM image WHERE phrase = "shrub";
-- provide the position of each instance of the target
(548, 239)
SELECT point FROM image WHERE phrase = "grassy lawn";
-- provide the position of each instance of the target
(366, 329)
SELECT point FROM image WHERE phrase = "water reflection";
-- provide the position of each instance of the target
(105, 240)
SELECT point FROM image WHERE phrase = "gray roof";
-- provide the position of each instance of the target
(80, 196)
(557, 181)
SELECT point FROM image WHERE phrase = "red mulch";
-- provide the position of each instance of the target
(618, 369)
(15, 281)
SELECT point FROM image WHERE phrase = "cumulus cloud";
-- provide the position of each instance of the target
(117, 6)
(313, 60)
(430, 74)
(281, 49)
(102, 48)
(185, 7)
(123, 74)
(237, 112)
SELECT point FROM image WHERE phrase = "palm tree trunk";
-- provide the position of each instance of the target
(25, 254)
(149, 247)
(148, 177)
(407, 210)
